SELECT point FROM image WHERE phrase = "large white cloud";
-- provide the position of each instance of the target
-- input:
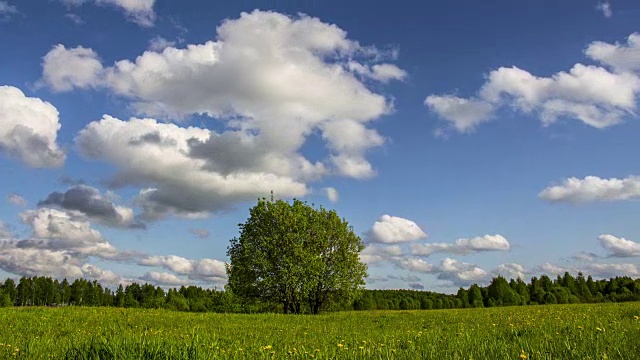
(271, 80)
(596, 95)
(464, 246)
(619, 247)
(593, 188)
(139, 11)
(393, 229)
(28, 129)
(159, 155)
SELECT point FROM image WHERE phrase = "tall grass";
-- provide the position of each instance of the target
(589, 331)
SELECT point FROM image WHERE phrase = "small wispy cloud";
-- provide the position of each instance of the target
(6, 10)
(201, 233)
(159, 43)
(16, 200)
(605, 8)
(332, 194)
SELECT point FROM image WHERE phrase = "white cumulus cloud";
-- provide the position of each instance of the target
(511, 271)
(28, 129)
(162, 155)
(464, 246)
(599, 96)
(376, 253)
(57, 230)
(199, 269)
(619, 247)
(623, 57)
(593, 188)
(451, 270)
(65, 69)
(464, 114)
(59, 246)
(271, 80)
(138, 11)
(392, 229)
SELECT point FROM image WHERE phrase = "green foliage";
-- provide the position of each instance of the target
(296, 256)
(5, 299)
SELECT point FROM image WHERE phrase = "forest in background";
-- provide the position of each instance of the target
(567, 289)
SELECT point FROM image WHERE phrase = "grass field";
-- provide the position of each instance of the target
(590, 331)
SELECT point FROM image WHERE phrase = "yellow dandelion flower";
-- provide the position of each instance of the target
(340, 345)
(523, 355)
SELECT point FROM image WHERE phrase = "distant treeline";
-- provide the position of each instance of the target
(45, 291)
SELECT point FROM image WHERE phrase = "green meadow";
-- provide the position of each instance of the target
(581, 331)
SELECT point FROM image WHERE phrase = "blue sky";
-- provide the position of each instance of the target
(461, 140)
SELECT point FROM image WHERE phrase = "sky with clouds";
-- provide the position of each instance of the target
(460, 139)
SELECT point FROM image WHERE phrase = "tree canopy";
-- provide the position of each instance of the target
(297, 256)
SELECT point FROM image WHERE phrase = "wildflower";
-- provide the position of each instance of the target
(523, 355)
(636, 317)
(268, 347)
(340, 345)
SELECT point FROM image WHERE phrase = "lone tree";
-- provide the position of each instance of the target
(295, 255)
